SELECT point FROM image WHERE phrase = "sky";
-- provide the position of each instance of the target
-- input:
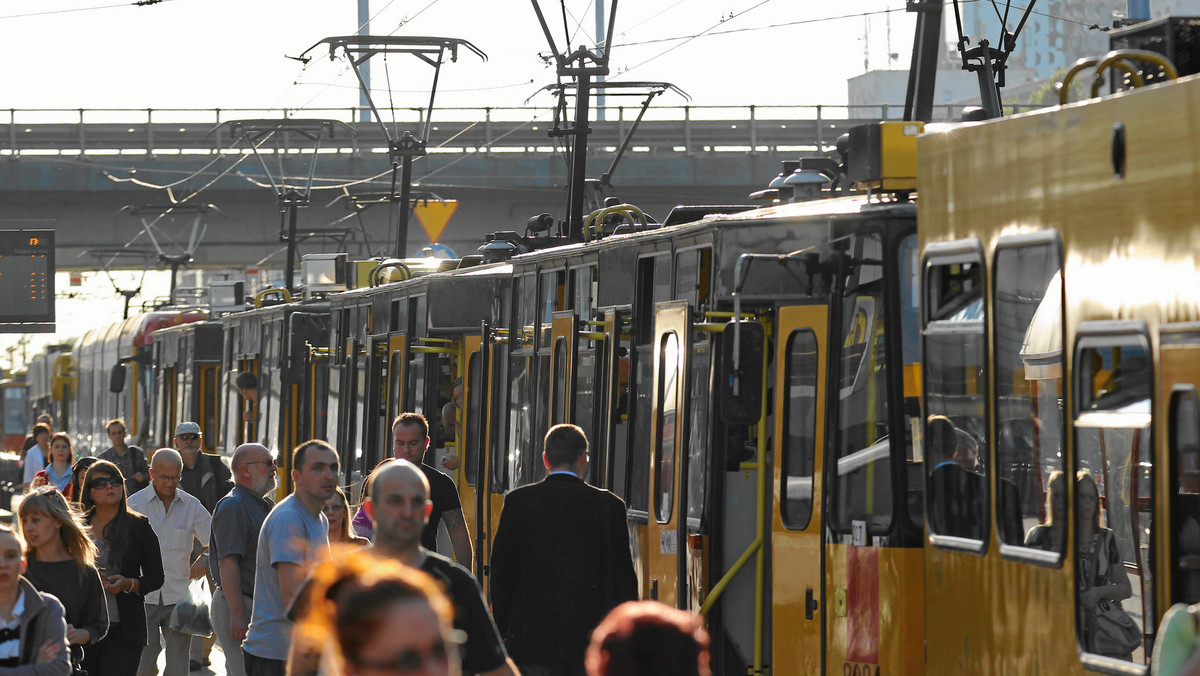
(233, 55)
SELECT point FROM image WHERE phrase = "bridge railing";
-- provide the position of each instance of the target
(669, 129)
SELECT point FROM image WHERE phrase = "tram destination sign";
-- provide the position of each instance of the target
(26, 281)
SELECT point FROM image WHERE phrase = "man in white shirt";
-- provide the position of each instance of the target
(177, 518)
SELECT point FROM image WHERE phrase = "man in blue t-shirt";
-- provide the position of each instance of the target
(294, 535)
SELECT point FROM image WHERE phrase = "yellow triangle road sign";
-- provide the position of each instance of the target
(434, 216)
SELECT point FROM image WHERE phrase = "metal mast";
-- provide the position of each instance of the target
(402, 148)
(581, 65)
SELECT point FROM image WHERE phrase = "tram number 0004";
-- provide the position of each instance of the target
(849, 669)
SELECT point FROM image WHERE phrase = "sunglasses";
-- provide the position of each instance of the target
(187, 437)
(410, 661)
(105, 482)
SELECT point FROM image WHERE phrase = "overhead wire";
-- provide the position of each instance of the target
(701, 33)
(139, 3)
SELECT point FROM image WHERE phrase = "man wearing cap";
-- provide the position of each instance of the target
(207, 479)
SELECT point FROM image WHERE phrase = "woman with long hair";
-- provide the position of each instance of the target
(61, 560)
(337, 510)
(130, 564)
(58, 472)
(78, 472)
(35, 640)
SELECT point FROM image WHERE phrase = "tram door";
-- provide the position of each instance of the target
(1180, 368)
(377, 439)
(666, 541)
(564, 346)
(397, 363)
(797, 550)
(468, 438)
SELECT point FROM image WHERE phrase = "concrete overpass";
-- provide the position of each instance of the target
(76, 170)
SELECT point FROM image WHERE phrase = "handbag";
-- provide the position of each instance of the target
(1116, 633)
(190, 616)
(1113, 632)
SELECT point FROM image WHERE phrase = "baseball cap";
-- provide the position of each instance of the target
(187, 428)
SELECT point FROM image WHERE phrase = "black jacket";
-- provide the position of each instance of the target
(143, 562)
(560, 562)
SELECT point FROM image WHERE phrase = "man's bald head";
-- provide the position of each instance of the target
(165, 459)
(399, 506)
(247, 453)
(394, 470)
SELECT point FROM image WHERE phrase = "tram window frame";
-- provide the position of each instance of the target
(860, 447)
(468, 439)
(693, 276)
(583, 280)
(1184, 430)
(1093, 411)
(806, 458)
(1010, 308)
(954, 281)
(558, 391)
(667, 397)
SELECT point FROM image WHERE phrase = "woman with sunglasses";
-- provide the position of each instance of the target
(61, 560)
(130, 566)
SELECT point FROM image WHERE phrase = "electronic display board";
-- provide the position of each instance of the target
(26, 281)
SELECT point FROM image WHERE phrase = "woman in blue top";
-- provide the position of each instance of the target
(58, 472)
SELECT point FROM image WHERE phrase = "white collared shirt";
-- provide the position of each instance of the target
(10, 645)
(186, 519)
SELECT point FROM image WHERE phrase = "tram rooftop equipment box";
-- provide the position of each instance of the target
(323, 273)
(883, 157)
(1175, 37)
(225, 297)
(26, 281)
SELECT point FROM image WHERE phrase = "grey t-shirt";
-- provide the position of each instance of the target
(290, 534)
(236, 524)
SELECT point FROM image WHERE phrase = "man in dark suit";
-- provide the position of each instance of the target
(560, 561)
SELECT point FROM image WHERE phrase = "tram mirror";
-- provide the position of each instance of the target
(116, 379)
(741, 374)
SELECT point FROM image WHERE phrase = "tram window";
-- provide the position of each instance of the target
(863, 488)
(693, 276)
(1028, 383)
(468, 439)
(552, 299)
(664, 466)
(699, 404)
(539, 402)
(208, 406)
(525, 291)
(583, 291)
(520, 422)
(498, 457)
(558, 406)
(395, 374)
(639, 450)
(1185, 496)
(620, 420)
(583, 412)
(955, 374)
(799, 429)
(1114, 497)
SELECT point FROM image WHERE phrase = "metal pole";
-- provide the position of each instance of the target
(600, 51)
(405, 196)
(364, 28)
(579, 158)
(293, 210)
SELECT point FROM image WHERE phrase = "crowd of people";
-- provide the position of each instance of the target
(99, 576)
